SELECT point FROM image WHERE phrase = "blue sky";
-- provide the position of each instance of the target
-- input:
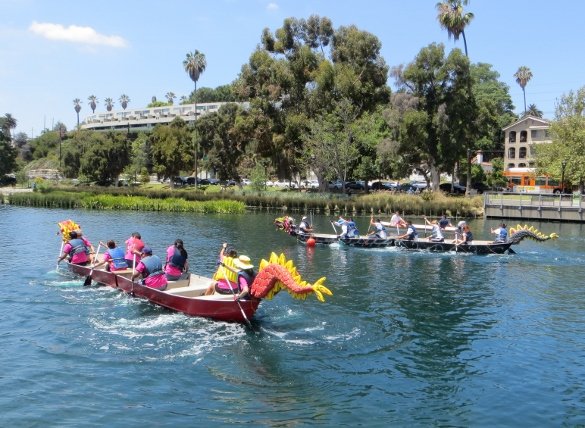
(54, 51)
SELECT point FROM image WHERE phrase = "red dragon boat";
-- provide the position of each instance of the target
(187, 296)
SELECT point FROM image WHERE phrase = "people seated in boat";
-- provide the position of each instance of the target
(86, 241)
(288, 224)
(348, 228)
(460, 230)
(466, 236)
(113, 258)
(436, 233)
(411, 233)
(177, 266)
(244, 270)
(501, 234)
(134, 246)
(444, 222)
(397, 221)
(379, 230)
(151, 270)
(305, 226)
(223, 277)
(76, 250)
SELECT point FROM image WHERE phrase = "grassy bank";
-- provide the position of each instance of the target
(236, 200)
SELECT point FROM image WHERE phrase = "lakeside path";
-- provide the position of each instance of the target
(9, 190)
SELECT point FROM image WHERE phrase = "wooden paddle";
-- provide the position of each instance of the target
(234, 292)
(95, 258)
(60, 252)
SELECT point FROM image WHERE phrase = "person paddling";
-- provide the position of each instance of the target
(151, 270)
(134, 246)
(411, 233)
(113, 258)
(76, 250)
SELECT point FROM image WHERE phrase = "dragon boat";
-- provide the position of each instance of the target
(188, 296)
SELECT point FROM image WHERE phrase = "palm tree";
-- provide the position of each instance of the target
(124, 100)
(170, 97)
(8, 123)
(92, 102)
(77, 104)
(523, 76)
(109, 104)
(183, 99)
(194, 65)
(453, 19)
(533, 111)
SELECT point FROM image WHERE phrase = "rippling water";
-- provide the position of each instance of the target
(408, 339)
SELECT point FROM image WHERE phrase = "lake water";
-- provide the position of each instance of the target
(407, 339)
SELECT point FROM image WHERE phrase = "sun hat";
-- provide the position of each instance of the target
(304, 217)
(243, 263)
(146, 250)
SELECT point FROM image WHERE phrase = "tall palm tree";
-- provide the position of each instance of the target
(77, 104)
(109, 104)
(92, 102)
(533, 111)
(8, 124)
(453, 19)
(124, 100)
(170, 97)
(183, 99)
(523, 76)
(194, 65)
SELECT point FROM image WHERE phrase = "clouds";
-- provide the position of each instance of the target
(272, 7)
(76, 34)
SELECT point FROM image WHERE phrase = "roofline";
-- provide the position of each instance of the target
(539, 119)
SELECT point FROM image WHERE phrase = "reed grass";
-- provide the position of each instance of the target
(235, 201)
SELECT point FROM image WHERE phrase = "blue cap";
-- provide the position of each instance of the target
(146, 250)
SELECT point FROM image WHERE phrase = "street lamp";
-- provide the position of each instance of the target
(563, 166)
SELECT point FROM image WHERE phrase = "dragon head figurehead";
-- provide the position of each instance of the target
(520, 232)
(277, 274)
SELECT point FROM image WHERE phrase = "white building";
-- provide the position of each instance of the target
(520, 139)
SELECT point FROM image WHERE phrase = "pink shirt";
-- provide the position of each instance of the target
(81, 257)
(107, 259)
(169, 269)
(133, 244)
(157, 281)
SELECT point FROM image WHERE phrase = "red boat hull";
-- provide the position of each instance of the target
(218, 307)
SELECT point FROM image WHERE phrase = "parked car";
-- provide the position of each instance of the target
(246, 182)
(213, 181)
(383, 185)
(457, 189)
(355, 185)
(419, 184)
(480, 187)
(310, 184)
(406, 188)
(335, 185)
(7, 180)
(179, 181)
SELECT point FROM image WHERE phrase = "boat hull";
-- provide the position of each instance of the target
(476, 247)
(187, 299)
(368, 242)
(320, 238)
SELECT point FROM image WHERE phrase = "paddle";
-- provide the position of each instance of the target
(333, 226)
(60, 252)
(234, 292)
(95, 258)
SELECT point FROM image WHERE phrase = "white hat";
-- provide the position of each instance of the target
(243, 263)
(304, 217)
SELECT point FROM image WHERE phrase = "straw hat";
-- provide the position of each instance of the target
(243, 263)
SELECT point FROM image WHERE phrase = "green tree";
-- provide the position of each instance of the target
(170, 96)
(77, 107)
(171, 148)
(109, 104)
(8, 123)
(452, 18)
(568, 140)
(124, 101)
(105, 157)
(7, 155)
(140, 157)
(533, 111)
(195, 64)
(441, 130)
(92, 102)
(523, 76)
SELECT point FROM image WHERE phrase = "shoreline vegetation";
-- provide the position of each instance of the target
(236, 201)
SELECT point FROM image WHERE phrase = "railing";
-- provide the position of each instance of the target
(543, 206)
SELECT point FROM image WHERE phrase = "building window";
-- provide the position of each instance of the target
(531, 164)
(522, 153)
(546, 134)
(512, 137)
(512, 153)
(523, 136)
(534, 134)
(511, 165)
(521, 165)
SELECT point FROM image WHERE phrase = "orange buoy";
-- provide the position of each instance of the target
(311, 242)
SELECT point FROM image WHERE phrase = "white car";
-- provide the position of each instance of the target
(311, 184)
(246, 182)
